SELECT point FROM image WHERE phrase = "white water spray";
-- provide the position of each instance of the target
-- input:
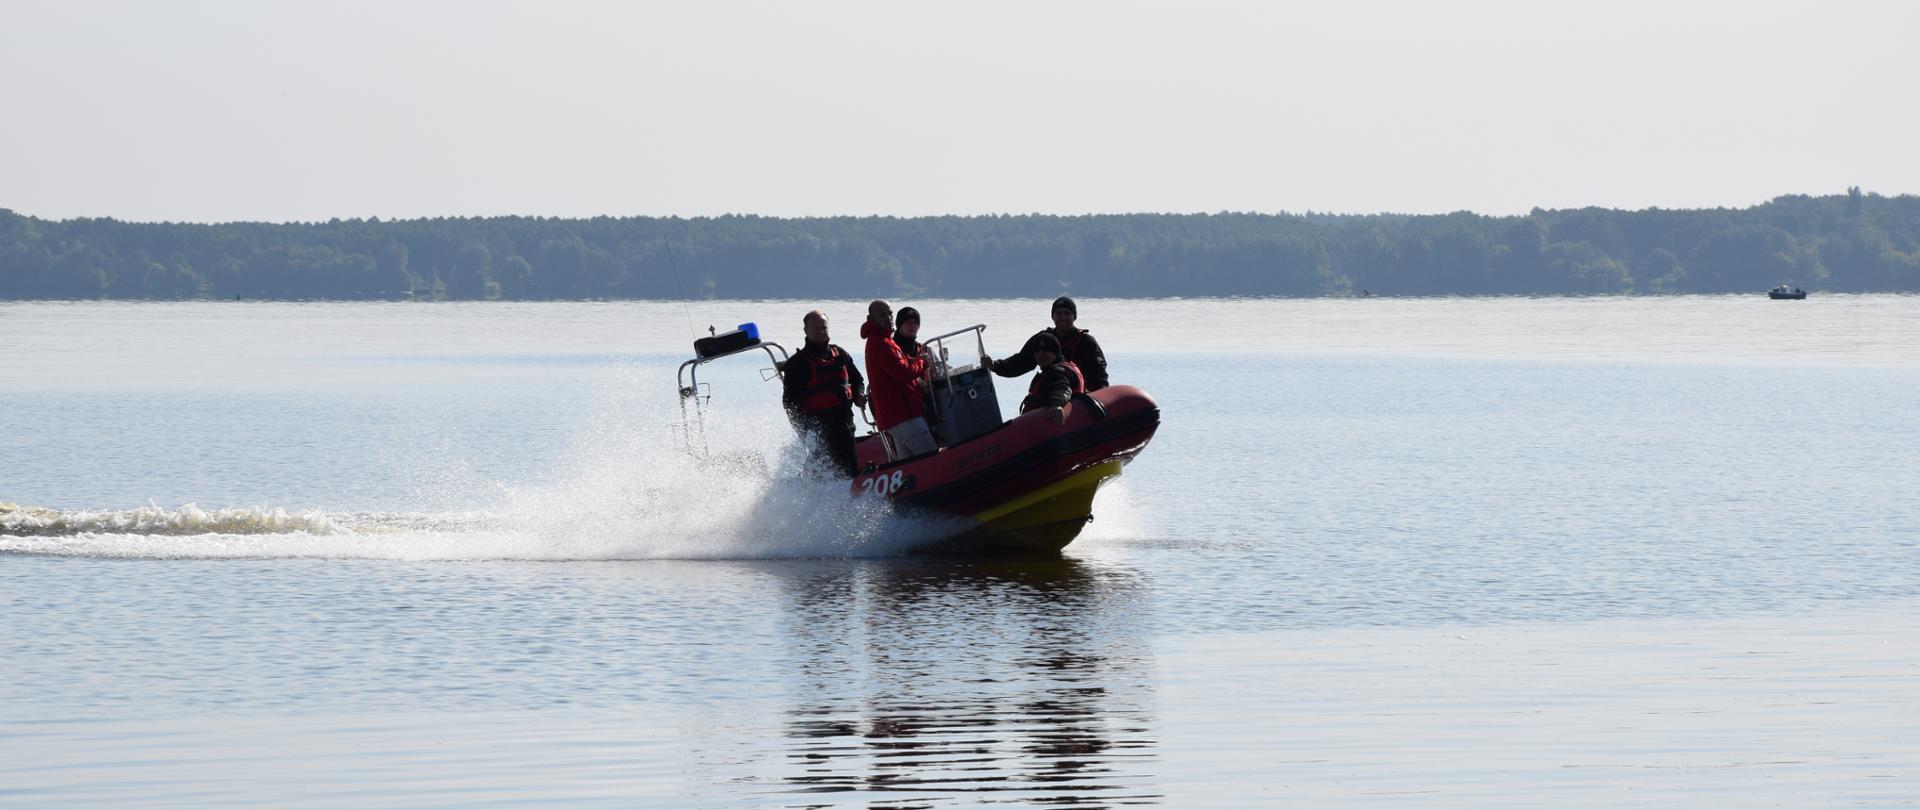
(620, 493)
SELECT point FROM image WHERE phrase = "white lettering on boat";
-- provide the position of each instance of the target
(980, 456)
(884, 485)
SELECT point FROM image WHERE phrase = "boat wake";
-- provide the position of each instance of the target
(16, 520)
(797, 519)
(620, 496)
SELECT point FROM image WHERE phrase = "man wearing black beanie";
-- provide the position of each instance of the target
(1076, 344)
(1055, 384)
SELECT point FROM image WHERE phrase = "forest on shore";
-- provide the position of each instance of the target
(1852, 242)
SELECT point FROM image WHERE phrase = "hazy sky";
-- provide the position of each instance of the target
(213, 111)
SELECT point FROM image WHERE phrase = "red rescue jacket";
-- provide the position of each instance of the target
(830, 387)
(897, 384)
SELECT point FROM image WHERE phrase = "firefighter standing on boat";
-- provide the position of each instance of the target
(820, 385)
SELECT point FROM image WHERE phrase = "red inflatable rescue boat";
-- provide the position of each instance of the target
(1026, 484)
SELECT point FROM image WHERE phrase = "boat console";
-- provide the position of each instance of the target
(961, 399)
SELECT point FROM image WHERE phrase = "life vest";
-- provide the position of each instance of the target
(1069, 343)
(830, 388)
(1034, 391)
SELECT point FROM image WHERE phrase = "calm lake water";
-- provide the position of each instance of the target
(1449, 552)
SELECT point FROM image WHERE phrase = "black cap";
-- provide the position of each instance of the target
(906, 314)
(1064, 301)
(1046, 341)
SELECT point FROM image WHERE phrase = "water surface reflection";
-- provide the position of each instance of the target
(930, 684)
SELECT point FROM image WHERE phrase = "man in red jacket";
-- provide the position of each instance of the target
(893, 378)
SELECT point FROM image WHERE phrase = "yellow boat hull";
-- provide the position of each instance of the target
(1042, 522)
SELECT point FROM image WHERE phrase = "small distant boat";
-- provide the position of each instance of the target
(1781, 293)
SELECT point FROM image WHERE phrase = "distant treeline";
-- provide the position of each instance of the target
(1846, 242)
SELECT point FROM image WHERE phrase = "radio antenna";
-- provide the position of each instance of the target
(684, 306)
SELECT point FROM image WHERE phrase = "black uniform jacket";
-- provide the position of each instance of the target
(1052, 386)
(1078, 346)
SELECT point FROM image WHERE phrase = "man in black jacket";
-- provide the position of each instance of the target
(819, 385)
(1076, 345)
(1056, 384)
